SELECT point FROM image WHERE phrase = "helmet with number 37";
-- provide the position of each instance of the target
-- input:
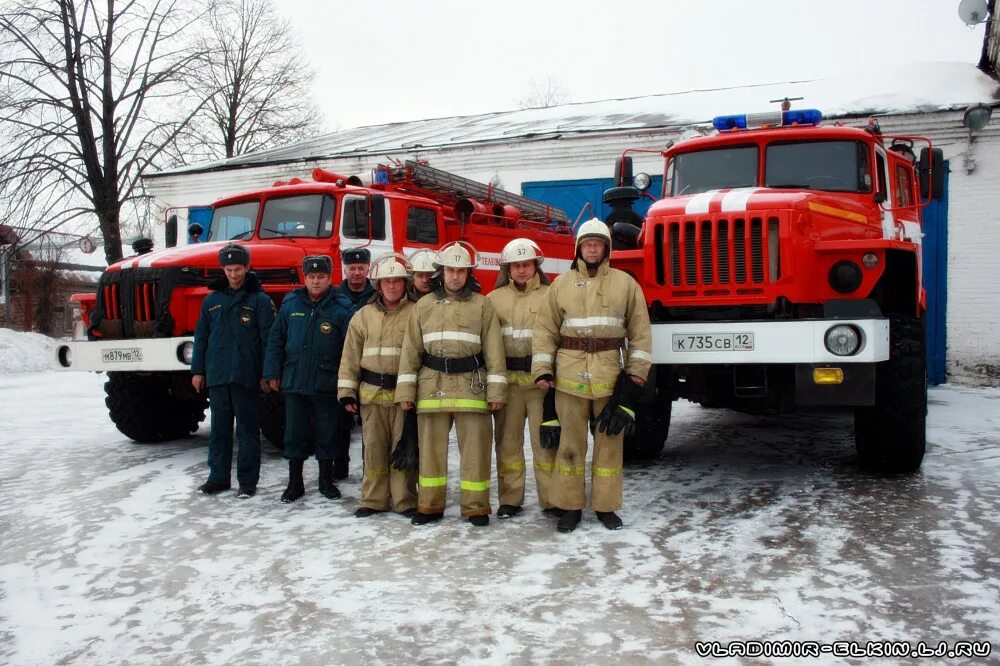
(521, 249)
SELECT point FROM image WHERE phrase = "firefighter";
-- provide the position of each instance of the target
(303, 357)
(452, 371)
(228, 358)
(355, 291)
(422, 264)
(592, 343)
(368, 377)
(520, 289)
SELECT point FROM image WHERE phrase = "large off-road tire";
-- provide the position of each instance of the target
(272, 419)
(652, 424)
(154, 406)
(890, 436)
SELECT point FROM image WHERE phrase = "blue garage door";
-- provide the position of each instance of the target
(573, 196)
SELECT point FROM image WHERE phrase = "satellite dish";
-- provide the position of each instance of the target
(972, 12)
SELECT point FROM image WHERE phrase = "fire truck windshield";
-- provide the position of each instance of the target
(308, 216)
(834, 166)
(235, 221)
(714, 169)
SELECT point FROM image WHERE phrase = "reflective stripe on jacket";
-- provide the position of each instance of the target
(517, 311)
(374, 342)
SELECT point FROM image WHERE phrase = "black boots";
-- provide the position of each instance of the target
(340, 467)
(569, 520)
(508, 511)
(610, 520)
(212, 487)
(366, 512)
(246, 492)
(479, 521)
(426, 518)
(296, 488)
(327, 472)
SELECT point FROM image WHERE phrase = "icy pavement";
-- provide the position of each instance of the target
(746, 528)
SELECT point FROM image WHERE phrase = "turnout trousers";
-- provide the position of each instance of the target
(475, 453)
(321, 409)
(382, 487)
(568, 480)
(229, 402)
(522, 404)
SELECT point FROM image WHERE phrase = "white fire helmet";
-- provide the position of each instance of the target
(593, 228)
(456, 255)
(390, 266)
(422, 261)
(521, 249)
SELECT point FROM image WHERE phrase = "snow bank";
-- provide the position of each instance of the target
(24, 352)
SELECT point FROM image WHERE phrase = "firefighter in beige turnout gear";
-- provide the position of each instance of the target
(518, 294)
(368, 375)
(452, 370)
(422, 267)
(594, 318)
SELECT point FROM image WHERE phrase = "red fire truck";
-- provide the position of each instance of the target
(782, 269)
(139, 325)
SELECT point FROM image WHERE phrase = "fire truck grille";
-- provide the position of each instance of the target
(717, 255)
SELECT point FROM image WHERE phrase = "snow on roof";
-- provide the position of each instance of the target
(923, 87)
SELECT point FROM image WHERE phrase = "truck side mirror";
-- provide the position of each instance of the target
(931, 172)
(170, 231)
(623, 172)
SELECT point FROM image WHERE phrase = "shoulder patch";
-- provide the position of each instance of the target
(214, 307)
(298, 314)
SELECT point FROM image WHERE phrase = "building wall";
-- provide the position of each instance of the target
(973, 312)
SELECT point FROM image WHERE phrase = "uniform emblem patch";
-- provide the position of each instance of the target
(325, 328)
(245, 318)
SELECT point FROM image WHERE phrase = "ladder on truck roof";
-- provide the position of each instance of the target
(442, 182)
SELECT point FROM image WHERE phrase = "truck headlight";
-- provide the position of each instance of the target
(843, 340)
(845, 276)
(65, 355)
(185, 352)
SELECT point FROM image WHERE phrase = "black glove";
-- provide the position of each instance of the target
(549, 430)
(406, 456)
(619, 414)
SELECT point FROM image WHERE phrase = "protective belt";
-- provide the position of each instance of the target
(454, 365)
(519, 363)
(379, 379)
(591, 345)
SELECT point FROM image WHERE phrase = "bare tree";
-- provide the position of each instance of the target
(543, 94)
(251, 58)
(91, 94)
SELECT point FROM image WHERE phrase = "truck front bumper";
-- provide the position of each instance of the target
(137, 355)
(765, 342)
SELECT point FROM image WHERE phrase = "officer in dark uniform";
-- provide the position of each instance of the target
(303, 358)
(228, 358)
(355, 291)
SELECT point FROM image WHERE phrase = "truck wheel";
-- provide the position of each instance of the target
(272, 419)
(154, 406)
(891, 435)
(652, 424)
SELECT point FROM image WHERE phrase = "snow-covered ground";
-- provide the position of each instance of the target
(746, 528)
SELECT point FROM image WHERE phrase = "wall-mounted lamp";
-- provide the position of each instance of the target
(976, 117)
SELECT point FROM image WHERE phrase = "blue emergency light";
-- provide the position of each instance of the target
(381, 177)
(786, 118)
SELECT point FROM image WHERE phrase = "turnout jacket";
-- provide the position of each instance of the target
(306, 343)
(231, 334)
(374, 342)
(452, 327)
(608, 305)
(517, 311)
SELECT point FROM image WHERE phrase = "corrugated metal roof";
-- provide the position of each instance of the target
(925, 87)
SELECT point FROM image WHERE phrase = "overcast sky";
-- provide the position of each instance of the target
(380, 61)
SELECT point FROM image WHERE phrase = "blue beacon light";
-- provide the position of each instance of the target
(790, 117)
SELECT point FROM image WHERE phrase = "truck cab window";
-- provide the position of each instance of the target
(832, 166)
(309, 216)
(235, 221)
(421, 225)
(354, 219)
(904, 186)
(714, 169)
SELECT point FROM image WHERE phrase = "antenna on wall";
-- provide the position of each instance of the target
(972, 12)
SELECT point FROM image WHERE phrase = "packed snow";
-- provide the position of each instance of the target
(25, 352)
(745, 528)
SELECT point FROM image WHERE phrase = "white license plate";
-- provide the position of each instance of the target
(132, 355)
(709, 342)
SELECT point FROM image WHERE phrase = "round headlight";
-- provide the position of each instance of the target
(845, 276)
(843, 340)
(870, 260)
(642, 181)
(185, 352)
(65, 356)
